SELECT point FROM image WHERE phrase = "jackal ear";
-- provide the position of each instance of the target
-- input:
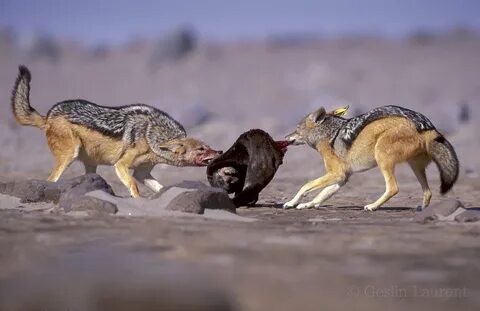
(340, 112)
(317, 115)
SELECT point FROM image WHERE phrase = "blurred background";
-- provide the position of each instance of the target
(223, 67)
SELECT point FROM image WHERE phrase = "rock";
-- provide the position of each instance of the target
(182, 186)
(30, 190)
(157, 207)
(198, 200)
(83, 184)
(69, 193)
(187, 196)
(93, 206)
(73, 189)
(469, 215)
(438, 211)
(173, 47)
(194, 197)
(7, 201)
(131, 206)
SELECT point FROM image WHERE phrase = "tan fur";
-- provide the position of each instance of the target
(146, 139)
(69, 142)
(383, 143)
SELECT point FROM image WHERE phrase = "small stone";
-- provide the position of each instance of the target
(197, 201)
(8, 202)
(93, 206)
(469, 215)
(183, 186)
(438, 211)
(72, 191)
(32, 191)
(84, 184)
(27, 190)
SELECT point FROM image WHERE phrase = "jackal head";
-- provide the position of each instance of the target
(317, 125)
(187, 152)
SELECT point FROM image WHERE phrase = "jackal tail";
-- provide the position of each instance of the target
(446, 160)
(23, 112)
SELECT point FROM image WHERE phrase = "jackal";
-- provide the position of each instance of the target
(134, 136)
(382, 137)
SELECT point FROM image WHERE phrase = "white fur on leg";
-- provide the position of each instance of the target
(153, 184)
(321, 197)
(293, 202)
(370, 207)
(306, 205)
(142, 174)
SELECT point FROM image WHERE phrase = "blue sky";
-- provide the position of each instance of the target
(116, 20)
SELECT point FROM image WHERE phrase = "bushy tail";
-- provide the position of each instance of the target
(446, 159)
(23, 112)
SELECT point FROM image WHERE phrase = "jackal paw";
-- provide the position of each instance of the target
(310, 205)
(290, 204)
(306, 205)
(370, 207)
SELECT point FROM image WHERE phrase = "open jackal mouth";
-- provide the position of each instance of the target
(208, 159)
(204, 160)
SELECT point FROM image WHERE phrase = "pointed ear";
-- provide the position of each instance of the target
(317, 115)
(340, 112)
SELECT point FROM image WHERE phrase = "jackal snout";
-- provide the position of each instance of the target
(294, 138)
(305, 126)
(188, 152)
(312, 125)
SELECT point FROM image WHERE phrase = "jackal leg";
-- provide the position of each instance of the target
(396, 145)
(61, 164)
(418, 167)
(121, 168)
(143, 174)
(324, 195)
(64, 148)
(324, 181)
(388, 171)
(386, 162)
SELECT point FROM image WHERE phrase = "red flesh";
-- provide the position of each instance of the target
(282, 145)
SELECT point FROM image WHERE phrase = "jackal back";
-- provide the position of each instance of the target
(127, 122)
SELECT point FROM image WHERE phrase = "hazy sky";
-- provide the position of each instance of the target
(115, 20)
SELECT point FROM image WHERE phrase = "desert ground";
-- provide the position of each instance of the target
(331, 258)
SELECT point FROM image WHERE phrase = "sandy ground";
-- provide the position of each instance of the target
(334, 258)
(316, 259)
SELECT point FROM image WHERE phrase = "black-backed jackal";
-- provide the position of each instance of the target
(134, 136)
(382, 137)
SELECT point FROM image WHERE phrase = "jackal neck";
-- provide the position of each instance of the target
(327, 130)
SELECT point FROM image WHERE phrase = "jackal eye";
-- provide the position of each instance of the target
(201, 148)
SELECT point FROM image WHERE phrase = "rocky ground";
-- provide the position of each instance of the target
(75, 251)
(261, 257)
